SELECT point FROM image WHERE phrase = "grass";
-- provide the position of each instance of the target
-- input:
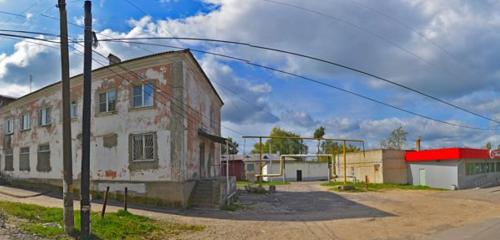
(375, 187)
(241, 184)
(48, 222)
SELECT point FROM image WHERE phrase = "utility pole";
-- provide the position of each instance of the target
(67, 162)
(87, 88)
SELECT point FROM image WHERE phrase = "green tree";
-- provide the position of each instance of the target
(396, 140)
(488, 145)
(318, 134)
(498, 147)
(232, 150)
(283, 145)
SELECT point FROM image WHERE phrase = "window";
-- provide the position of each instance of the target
(481, 167)
(9, 126)
(73, 110)
(107, 101)
(143, 147)
(44, 116)
(26, 121)
(43, 164)
(250, 167)
(9, 160)
(143, 95)
(24, 159)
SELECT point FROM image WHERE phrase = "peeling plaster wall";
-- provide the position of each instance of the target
(176, 131)
(205, 106)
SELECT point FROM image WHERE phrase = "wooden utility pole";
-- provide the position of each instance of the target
(345, 162)
(67, 162)
(87, 89)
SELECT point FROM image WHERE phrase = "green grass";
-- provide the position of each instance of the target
(48, 222)
(241, 184)
(375, 187)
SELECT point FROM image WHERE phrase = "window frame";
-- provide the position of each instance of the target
(142, 86)
(6, 153)
(47, 121)
(143, 140)
(9, 126)
(25, 126)
(73, 109)
(39, 151)
(107, 101)
(21, 153)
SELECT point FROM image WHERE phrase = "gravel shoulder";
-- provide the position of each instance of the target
(309, 211)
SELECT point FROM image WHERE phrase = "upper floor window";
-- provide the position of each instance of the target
(26, 121)
(9, 126)
(74, 109)
(107, 101)
(143, 95)
(44, 116)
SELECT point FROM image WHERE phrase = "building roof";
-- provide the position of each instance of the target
(187, 51)
(449, 154)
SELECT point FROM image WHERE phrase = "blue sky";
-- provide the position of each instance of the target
(447, 49)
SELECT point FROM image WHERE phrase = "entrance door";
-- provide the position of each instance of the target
(299, 175)
(422, 177)
(202, 160)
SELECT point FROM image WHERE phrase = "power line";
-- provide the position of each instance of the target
(317, 82)
(312, 58)
(308, 79)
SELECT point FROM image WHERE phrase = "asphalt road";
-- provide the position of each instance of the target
(486, 230)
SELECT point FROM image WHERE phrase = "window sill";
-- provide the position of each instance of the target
(104, 114)
(132, 109)
(46, 125)
(25, 130)
(144, 161)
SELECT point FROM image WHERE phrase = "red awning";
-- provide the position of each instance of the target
(446, 154)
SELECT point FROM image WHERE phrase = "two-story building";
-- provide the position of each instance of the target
(155, 129)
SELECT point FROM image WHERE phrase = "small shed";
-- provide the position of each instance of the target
(454, 168)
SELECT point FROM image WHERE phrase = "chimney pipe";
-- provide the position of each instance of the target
(417, 144)
(113, 59)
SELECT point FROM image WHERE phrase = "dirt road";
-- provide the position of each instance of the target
(309, 211)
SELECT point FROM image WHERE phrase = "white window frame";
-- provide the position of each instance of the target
(44, 117)
(26, 121)
(143, 136)
(73, 111)
(143, 95)
(107, 100)
(9, 125)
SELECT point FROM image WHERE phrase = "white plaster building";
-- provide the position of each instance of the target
(155, 122)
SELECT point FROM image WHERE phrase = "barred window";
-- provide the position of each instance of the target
(107, 101)
(24, 159)
(44, 116)
(43, 164)
(9, 160)
(26, 121)
(143, 147)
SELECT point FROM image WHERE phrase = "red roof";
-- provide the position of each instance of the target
(445, 154)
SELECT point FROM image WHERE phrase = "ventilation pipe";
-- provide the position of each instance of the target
(417, 144)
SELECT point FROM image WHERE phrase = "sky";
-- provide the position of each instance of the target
(447, 49)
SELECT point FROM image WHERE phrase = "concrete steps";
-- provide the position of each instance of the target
(205, 194)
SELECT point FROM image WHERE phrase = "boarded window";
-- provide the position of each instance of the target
(73, 109)
(143, 147)
(9, 160)
(24, 159)
(250, 167)
(43, 164)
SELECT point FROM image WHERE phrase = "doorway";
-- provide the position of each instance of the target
(202, 160)
(299, 175)
(422, 177)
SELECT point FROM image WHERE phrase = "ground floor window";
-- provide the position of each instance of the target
(43, 157)
(143, 147)
(481, 167)
(9, 160)
(24, 159)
